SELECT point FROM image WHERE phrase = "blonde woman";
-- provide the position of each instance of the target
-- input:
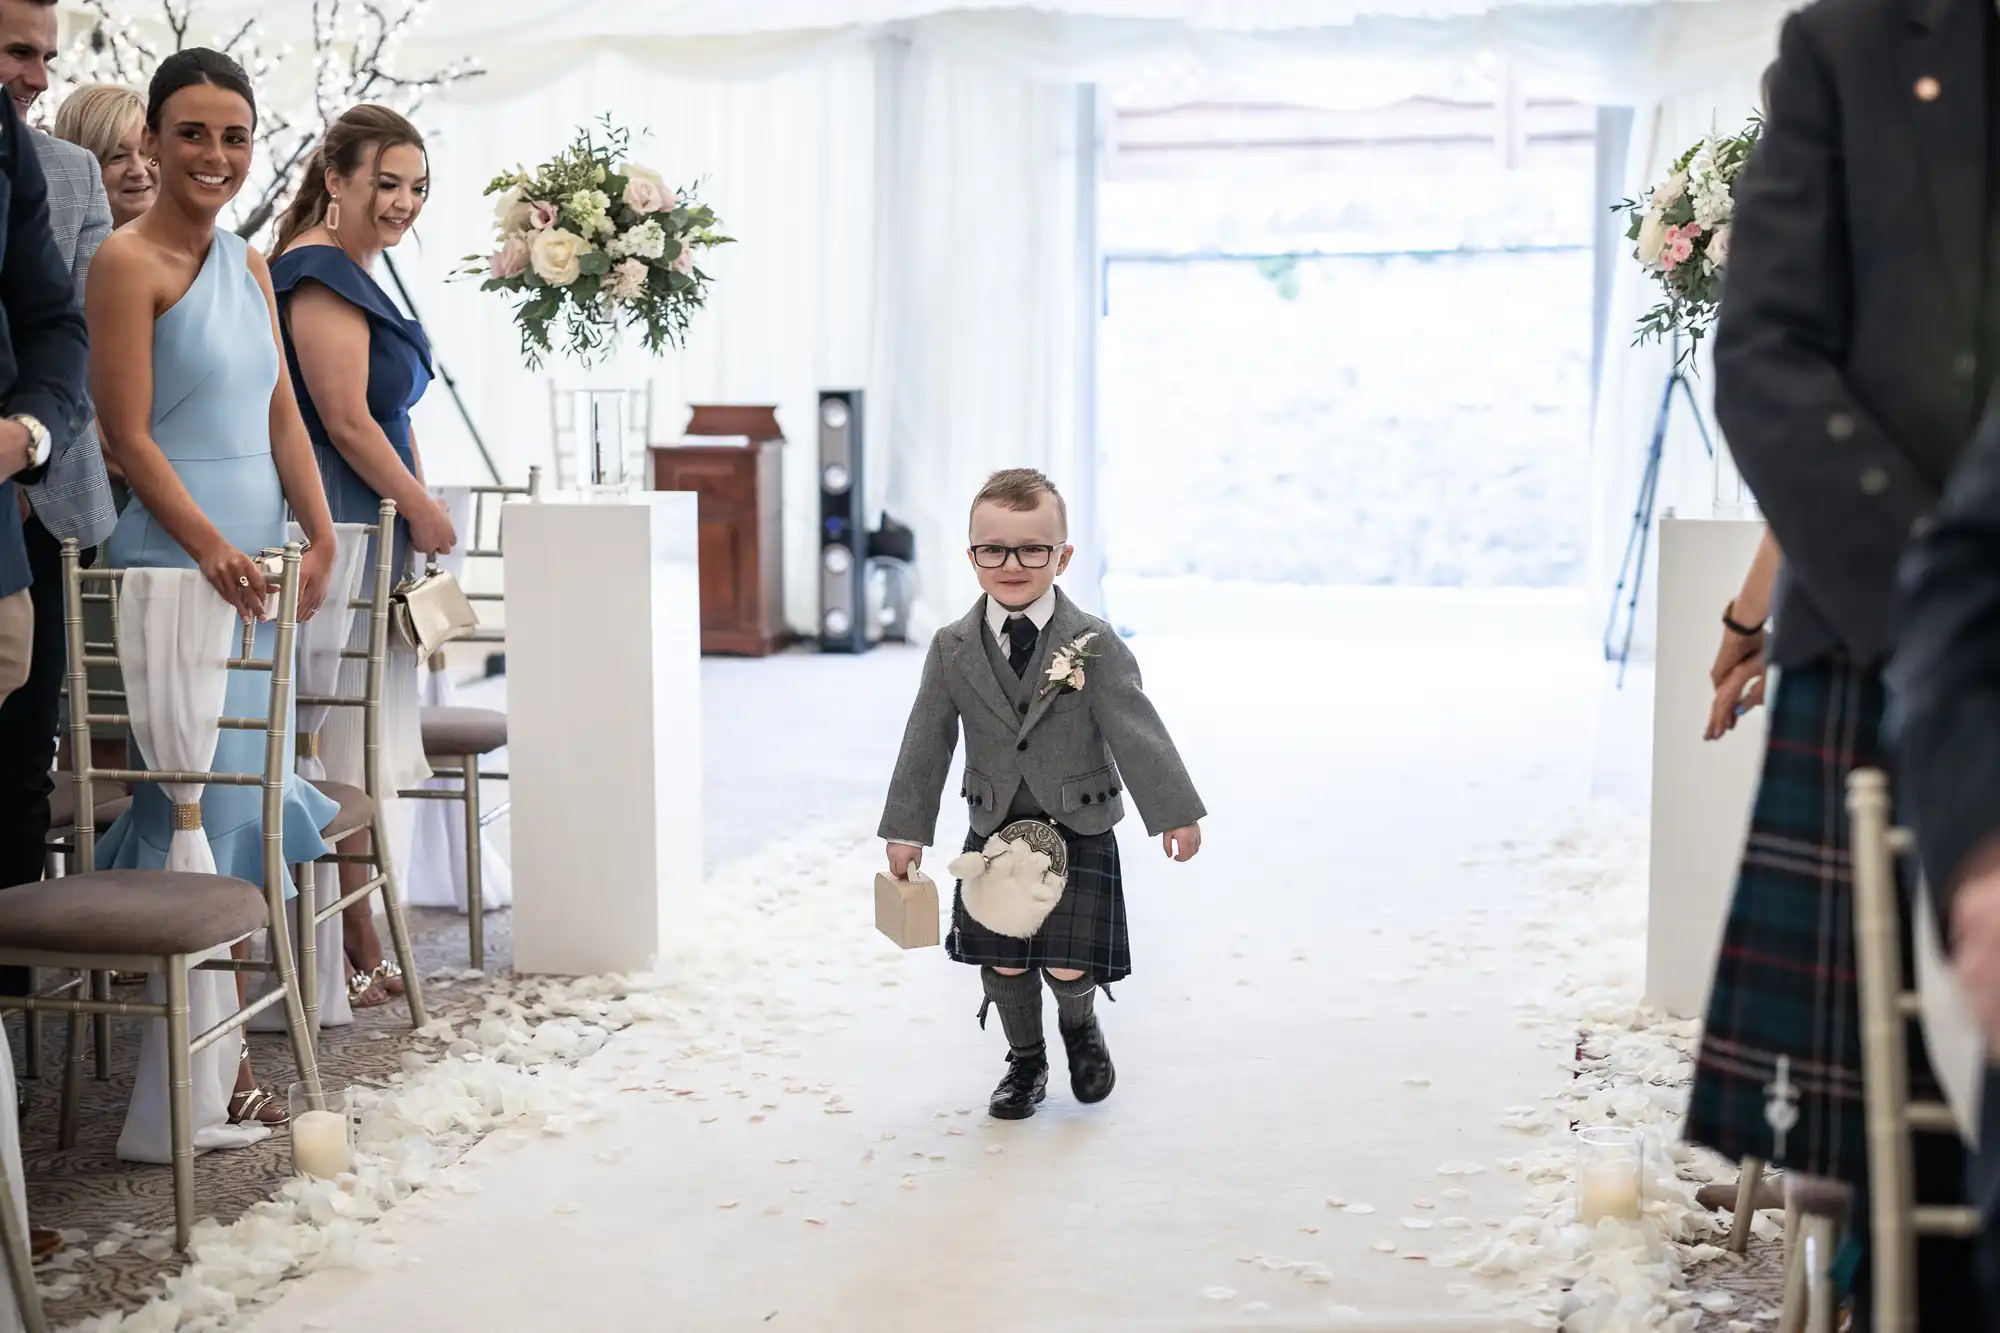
(109, 120)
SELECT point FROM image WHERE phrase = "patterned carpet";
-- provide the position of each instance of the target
(126, 1211)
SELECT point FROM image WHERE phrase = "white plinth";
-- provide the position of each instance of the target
(1702, 790)
(604, 727)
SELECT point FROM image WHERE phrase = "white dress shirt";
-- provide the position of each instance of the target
(1038, 611)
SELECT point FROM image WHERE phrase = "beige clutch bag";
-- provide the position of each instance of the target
(906, 910)
(431, 611)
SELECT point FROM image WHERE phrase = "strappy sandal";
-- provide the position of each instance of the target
(390, 974)
(364, 993)
(258, 1106)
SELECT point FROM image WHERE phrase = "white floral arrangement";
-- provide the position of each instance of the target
(1681, 234)
(599, 242)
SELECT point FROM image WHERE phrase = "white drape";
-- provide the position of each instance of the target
(175, 640)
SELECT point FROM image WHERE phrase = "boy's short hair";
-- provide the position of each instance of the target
(1020, 489)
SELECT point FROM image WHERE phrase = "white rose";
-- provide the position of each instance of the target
(1718, 249)
(1652, 239)
(510, 211)
(558, 256)
(1668, 192)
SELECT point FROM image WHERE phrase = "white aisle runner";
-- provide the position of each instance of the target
(1289, 1036)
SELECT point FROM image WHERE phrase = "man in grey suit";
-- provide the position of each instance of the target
(1057, 727)
(73, 499)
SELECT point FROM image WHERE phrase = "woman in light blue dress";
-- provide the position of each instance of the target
(189, 383)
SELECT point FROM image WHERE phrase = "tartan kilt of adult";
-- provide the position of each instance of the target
(1085, 933)
(1785, 982)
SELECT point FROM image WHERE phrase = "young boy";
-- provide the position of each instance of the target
(1039, 748)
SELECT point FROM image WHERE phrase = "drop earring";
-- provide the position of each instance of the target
(333, 214)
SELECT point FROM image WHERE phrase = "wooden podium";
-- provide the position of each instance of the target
(738, 489)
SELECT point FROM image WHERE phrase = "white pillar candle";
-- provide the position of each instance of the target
(319, 1144)
(1609, 1189)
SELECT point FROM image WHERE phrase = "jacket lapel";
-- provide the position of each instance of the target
(1064, 625)
(971, 661)
(1944, 86)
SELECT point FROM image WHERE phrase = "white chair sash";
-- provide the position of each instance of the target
(174, 647)
(320, 641)
(1957, 1046)
(436, 862)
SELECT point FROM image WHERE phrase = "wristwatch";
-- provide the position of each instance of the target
(40, 446)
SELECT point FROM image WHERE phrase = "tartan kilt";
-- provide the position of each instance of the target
(1085, 933)
(1785, 980)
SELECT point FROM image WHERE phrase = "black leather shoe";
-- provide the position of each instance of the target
(1026, 1084)
(1091, 1075)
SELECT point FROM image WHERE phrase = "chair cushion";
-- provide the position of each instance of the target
(153, 913)
(452, 733)
(357, 810)
(62, 802)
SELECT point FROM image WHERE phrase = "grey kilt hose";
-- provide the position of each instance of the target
(1085, 933)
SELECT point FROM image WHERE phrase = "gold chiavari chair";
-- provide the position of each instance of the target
(1888, 1006)
(458, 740)
(361, 808)
(158, 922)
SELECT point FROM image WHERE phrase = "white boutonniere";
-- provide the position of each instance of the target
(1066, 667)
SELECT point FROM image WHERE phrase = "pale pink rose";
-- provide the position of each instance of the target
(1076, 679)
(646, 192)
(1680, 245)
(511, 259)
(684, 261)
(628, 279)
(542, 215)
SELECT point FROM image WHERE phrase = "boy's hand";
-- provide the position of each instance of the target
(1182, 843)
(903, 858)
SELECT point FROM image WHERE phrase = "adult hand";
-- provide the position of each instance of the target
(15, 446)
(315, 577)
(1182, 843)
(1740, 691)
(1735, 649)
(431, 530)
(236, 579)
(904, 858)
(1975, 929)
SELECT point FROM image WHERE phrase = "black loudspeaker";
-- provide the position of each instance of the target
(843, 530)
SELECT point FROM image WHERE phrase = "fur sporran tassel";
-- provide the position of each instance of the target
(1009, 887)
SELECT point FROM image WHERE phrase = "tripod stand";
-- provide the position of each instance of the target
(443, 374)
(1632, 569)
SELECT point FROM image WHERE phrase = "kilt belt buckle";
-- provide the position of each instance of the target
(1012, 884)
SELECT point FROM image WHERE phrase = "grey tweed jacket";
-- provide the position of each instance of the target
(74, 498)
(1077, 751)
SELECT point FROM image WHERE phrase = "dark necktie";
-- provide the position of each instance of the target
(1021, 636)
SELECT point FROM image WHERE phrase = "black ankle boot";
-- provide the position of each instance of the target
(1091, 1075)
(1027, 1082)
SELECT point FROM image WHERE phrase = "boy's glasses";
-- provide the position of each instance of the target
(1031, 557)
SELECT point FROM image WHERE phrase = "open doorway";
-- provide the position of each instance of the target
(1345, 356)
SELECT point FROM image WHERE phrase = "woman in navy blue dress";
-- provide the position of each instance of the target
(360, 366)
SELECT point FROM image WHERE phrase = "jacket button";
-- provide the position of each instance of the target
(1100, 796)
(1840, 426)
(1874, 481)
(1021, 745)
(1965, 365)
(1024, 710)
(1114, 791)
(1086, 798)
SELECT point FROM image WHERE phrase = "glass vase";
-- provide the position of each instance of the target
(322, 1136)
(1610, 1174)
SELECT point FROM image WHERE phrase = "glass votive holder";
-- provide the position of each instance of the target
(322, 1136)
(1610, 1179)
